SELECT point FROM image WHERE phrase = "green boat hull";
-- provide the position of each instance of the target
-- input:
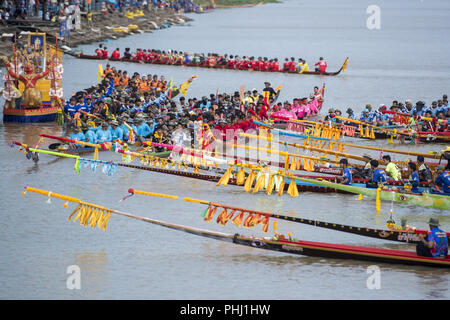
(423, 200)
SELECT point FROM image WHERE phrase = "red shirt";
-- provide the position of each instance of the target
(286, 66)
(292, 66)
(99, 52)
(254, 65)
(275, 66)
(115, 54)
(105, 54)
(231, 63)
(322, 65)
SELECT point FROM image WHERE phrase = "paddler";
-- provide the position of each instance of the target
(413, 177)
(302, 66)
(391, 168)
(322, 65)
(379, 176)
(76, 135)
(116, 131)
(446, 155)
(442, 182)
(436, 245)
(424, 171)
(104, 135)
(90, 134)
(347, 175)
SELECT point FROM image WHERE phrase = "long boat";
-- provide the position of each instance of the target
(277, 243)
(224, 67)
(424, 199)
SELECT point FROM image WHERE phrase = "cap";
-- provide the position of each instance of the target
(434, 222)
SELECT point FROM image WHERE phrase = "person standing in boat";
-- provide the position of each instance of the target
(436, 244)
(322, 65)
(391, 168)
(424, 172)
(347, 175)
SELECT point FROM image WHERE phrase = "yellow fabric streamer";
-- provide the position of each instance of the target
(260, 182)
(293, 163)
(281, 189)
(270, 184)
(249, 182)
(240, 178)
(225, 178)
(292, 189)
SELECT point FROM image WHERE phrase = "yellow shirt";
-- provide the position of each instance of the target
(303, 67)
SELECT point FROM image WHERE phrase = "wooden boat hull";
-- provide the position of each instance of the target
(94, 57)
(43, 114)
(314, 249)
(423, 200)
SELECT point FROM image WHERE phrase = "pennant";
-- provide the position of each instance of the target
(210, 214)
(294, 164)
(238, 219)
(248, 222)
(265, 222)
(99, 73)
(223, 217)
(225, 178)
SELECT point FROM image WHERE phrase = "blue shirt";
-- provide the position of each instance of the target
(379, 176)
(71, 110)
(77, 136)
(414, 181)
(439, 237)
(348, 175)
(91, 135)
(443, 181)
(116, 133)
(144, 130)
(104, 135)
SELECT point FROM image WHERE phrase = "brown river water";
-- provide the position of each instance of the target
(405, 59)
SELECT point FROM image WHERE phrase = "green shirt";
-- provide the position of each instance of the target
(393, 171)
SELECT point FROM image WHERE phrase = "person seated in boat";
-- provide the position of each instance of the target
(104, 135)
(275, 66)
(116, 131)
(322, 65)
(90, 133)
(337, 113)
(127, 54)
(115, 54)
(350, 115)
(436, 244)
(428, 125)
(442, 181)
(330, 116)
(71, 108)
(302, 66)
(424, 172)
(78, 135)
(105, 53)
(442, 127)
(292, 65)
(380, 118)
(413, 177)
(286, 65)
(379, 175)
(99, 51)
(347, 174)
(391, 168)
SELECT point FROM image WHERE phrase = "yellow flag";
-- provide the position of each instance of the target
(344, 67)
(99, 73)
